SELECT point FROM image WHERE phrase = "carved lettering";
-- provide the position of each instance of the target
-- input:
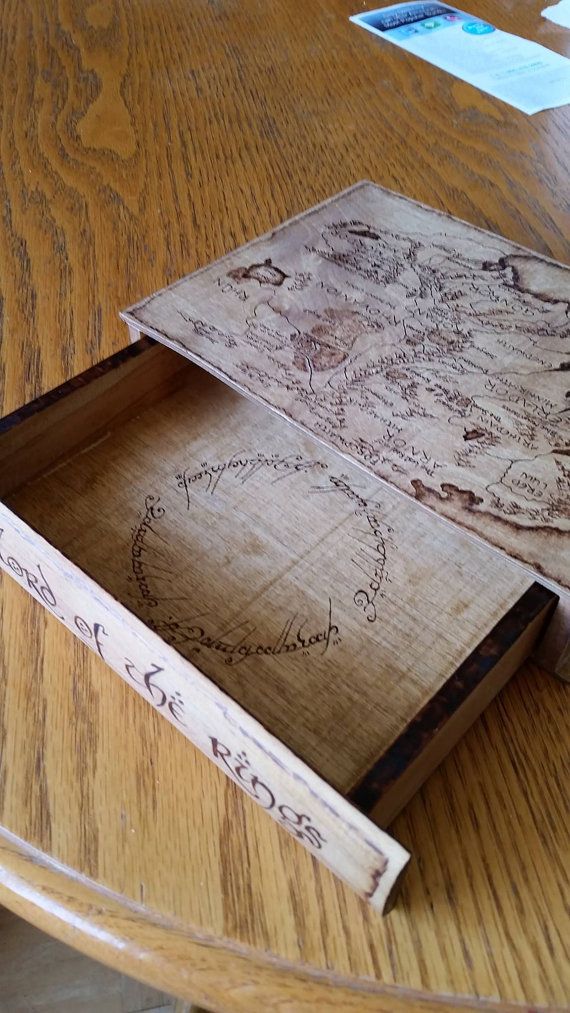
(298, 824)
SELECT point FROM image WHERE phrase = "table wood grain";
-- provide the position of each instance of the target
(138, 141)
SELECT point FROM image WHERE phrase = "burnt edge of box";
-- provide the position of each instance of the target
(75, 383)
(437, 711)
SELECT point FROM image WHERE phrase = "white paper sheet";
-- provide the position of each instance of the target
(522, 73)
(559, 14)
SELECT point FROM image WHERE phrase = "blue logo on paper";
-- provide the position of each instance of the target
(478, 28)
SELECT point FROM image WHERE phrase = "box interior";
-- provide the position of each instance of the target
(316, 597)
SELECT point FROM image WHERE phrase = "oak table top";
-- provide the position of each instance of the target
(138, 142)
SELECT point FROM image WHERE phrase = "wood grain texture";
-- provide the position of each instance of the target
(79, 412)
(120, 174)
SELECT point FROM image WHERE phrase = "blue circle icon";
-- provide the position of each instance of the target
(478, 28)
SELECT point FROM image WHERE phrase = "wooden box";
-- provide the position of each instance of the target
(320, 636)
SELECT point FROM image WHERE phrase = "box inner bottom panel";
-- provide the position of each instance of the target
(317, 598)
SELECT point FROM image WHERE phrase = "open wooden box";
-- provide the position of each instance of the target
(323, 639)
(224, 565)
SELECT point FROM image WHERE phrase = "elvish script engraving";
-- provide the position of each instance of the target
(433, 354)
(192, 626)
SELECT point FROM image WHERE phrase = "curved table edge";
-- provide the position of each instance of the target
(113, 930)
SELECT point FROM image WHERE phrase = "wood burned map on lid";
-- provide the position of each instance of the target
(430, 352)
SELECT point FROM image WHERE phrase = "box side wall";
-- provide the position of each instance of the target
(298, 799)
(70, 418)
(411, 759)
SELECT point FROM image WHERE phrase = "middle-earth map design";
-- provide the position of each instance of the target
(435, 355)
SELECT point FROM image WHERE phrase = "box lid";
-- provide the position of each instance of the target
(425, 350)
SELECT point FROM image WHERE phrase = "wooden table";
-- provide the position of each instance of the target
(140, 140)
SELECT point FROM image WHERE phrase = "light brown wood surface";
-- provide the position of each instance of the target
(139, 141)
